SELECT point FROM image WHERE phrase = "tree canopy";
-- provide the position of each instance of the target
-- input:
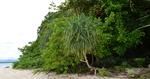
(83, 33)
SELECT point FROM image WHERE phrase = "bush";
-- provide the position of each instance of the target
(139, 62)
(103, 72)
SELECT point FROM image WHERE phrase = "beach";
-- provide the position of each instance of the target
(9, 73)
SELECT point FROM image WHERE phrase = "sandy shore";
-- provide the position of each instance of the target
(8, 73)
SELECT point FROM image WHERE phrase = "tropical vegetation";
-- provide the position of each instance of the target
(85, 35)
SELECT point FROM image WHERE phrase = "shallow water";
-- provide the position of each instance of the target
(5, 65)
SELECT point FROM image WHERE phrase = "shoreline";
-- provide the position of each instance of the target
(9, 73)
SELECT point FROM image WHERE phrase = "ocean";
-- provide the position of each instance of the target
(6, 65)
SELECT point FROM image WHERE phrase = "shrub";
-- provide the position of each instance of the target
(103, 72)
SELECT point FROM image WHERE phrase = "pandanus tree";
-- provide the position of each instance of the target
(80, 37)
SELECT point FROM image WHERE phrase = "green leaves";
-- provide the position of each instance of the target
(66, 35)
(80, 35)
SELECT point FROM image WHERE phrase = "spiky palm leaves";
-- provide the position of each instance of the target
(80, 37)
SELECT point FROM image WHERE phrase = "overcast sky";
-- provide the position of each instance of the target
(19, 20)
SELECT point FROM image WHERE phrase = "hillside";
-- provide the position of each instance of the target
(91, 37)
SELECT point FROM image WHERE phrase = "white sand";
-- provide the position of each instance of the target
(8, 73)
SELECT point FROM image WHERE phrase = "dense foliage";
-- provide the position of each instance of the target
(83, 34)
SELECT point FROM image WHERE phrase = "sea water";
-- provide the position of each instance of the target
(3, 65)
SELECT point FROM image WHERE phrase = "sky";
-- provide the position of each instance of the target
(19, 21)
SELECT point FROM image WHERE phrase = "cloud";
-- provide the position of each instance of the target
(19, 20)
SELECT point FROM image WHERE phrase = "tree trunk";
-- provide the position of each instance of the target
(87, 63)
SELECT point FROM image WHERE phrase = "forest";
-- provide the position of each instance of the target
(90, 36)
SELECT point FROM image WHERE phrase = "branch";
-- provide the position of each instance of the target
(143, 27)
